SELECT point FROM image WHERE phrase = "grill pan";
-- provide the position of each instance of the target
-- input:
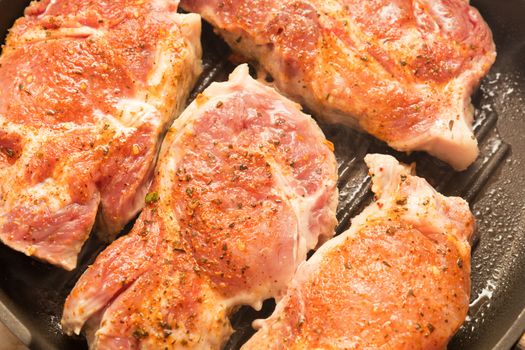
(32, 293)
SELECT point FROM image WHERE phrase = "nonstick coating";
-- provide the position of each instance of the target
(32, 293)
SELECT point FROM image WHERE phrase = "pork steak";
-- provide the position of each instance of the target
(401, 70)
(87, 90)
(245, 186)
(399, 278)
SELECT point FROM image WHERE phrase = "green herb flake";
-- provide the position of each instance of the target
(140, 333)
(152, 197)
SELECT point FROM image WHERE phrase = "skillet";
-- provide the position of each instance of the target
(32, 294)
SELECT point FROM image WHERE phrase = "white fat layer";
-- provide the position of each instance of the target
(187, 27)
(133, 113)
(389, 13)
(451, 137)
(36, 35)
(39, 194)
(50, 5)
(302, 206)
(163, 62)
(161, 5)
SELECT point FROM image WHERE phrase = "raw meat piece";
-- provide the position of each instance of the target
(399, 278)
(245, 186)
(87, 90)
(401, 70)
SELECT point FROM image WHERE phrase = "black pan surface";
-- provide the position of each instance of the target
(32, 293)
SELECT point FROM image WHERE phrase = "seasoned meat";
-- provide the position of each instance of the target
(401, 70)
(245, 186)
(399, 278)
(87, 90)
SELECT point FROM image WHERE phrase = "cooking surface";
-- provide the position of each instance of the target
(34, 292)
